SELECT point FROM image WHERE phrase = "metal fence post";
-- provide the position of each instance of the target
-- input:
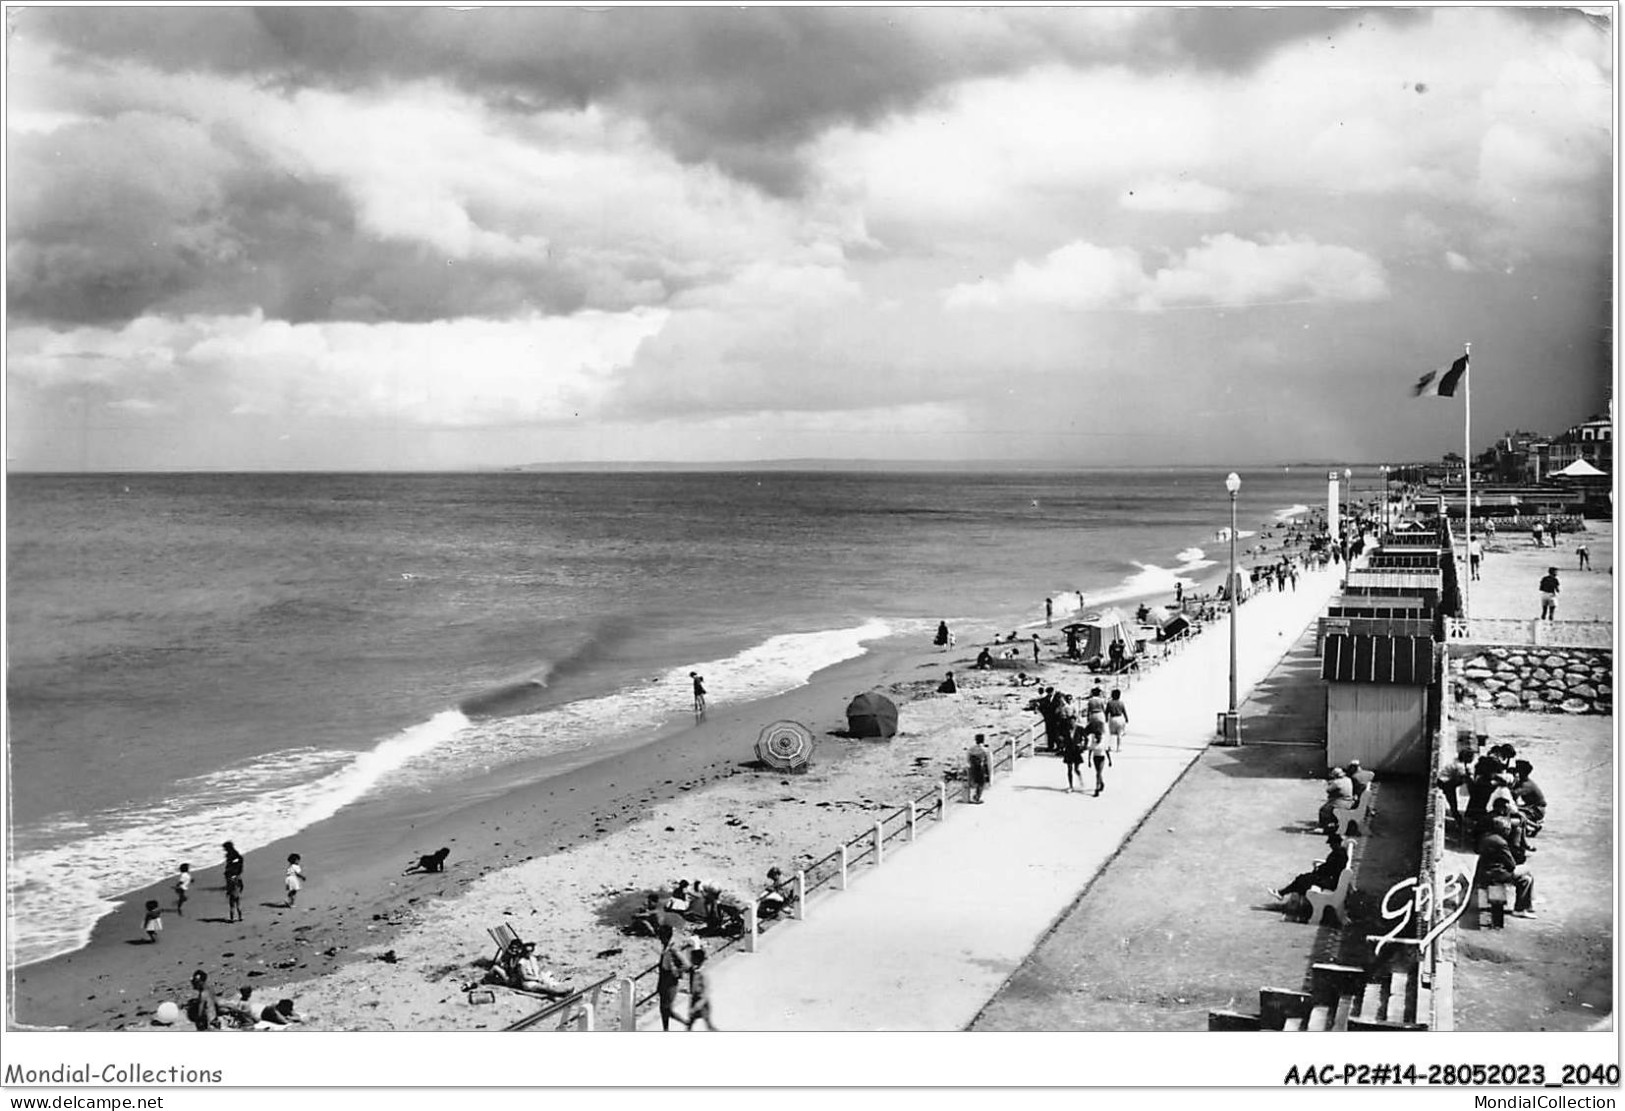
(843, 867)
(911, 817)
(750, 929)
(880, 844)
(586, 1017)
(624, 988)
(942, 800)
(801, 895)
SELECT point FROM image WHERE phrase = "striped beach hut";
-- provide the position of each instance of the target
(1377, 701)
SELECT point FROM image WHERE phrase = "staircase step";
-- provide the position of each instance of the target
(1276, 1005)
(1320, 1018)
(1345, 1009)
(1294, 1023)
(1336, 979)
(1371, 1000)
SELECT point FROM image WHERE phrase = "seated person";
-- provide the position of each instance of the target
(1496, 865)
(241, 1010)
(777, 898)
(646, 922)
(948, 686)
(1530, 798)
(1339, 796)
(724, 913)
(679, 901)
(984, 660)
(524, 971)
(1517, 840)
(1360, 778)
(1451, 778)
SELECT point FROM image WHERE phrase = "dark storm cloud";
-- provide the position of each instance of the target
(739, 88)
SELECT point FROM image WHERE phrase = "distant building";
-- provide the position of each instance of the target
(1591, 440)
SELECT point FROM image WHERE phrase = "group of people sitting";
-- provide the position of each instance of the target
(1505, 810)
(207, 1012)
(709, 906)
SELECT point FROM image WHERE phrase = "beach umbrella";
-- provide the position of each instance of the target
(871, 715)
(785, 745)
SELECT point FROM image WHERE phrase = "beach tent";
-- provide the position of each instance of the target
(1096, 632)
(871, 715)
(1578, 469)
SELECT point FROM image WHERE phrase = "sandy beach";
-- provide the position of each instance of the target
(368, 948)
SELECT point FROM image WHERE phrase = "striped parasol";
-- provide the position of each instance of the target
(785, 745)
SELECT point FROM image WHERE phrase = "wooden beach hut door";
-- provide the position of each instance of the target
(1381, 725)
(1376, 701)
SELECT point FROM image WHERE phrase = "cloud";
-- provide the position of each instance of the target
(1461, 264)
(1171, 195)
(1223, 270)
(450, 373)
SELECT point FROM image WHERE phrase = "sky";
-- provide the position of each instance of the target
(427, 238)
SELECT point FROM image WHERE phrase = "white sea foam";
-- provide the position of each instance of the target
(1241, 534)
(1290, 512)
(58, 894)
(1192, 555)
(779, 664)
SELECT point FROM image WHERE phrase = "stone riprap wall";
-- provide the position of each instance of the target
(1553, 680)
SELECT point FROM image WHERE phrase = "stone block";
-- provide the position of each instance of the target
(1584, 690)
(1553, 662)
(1576, 706)
(1506, 700)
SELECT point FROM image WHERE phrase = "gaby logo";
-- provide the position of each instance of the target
(1401, 909)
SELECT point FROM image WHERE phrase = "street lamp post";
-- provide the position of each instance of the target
(1232, 720)
(1348, 494)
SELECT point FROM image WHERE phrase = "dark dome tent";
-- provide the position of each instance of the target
(871, 715)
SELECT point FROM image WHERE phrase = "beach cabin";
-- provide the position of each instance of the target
(1377, 701)
(1380, 616)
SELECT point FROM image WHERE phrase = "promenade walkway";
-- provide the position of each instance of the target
(925, 940)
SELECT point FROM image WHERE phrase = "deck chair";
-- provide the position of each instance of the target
(504, 936)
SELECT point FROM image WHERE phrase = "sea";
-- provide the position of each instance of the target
(201, 657)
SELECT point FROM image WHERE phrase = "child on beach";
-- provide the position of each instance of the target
(294, 878)
(699, 992)
(183, 884)
(154, 922)
(234, 897)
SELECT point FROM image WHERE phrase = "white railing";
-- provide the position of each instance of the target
(1547, 634)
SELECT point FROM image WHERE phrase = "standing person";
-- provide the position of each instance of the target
(942, 635)
(234, 897)
(699, 693)
(1095, 709)
(699, 992)
(234, 859)
(978, 767)
(1585, 556)
(1099, 754)
(1179, 594)
(183, 885)
(1475, 555)
(153, 922)
(204, 1008)
(1116, 718)
(1549, 587)
(1049, 611)
(673, 964)
(1035, 648)
(294, 878)
(1072, 757)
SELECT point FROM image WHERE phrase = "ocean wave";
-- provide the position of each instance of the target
(779, 664)
(58, 894)
(1192, 555)
(1241, 534)
(1290, 512)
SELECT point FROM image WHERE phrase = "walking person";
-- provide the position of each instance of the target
(1072, 757)
(294, 878)
(699, 993)
(1099, 753)
(183, 885)
(978, 767)
(1049, 611)
(699, 693)
(1475, 555)
(671, 968)
(1549, 588)
(1116, 718)
(1585, 556)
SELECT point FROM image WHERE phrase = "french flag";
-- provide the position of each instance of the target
(1442, 383)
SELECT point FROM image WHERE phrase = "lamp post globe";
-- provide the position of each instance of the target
(1232, 731)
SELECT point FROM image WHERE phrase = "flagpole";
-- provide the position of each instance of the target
(1467, 472)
